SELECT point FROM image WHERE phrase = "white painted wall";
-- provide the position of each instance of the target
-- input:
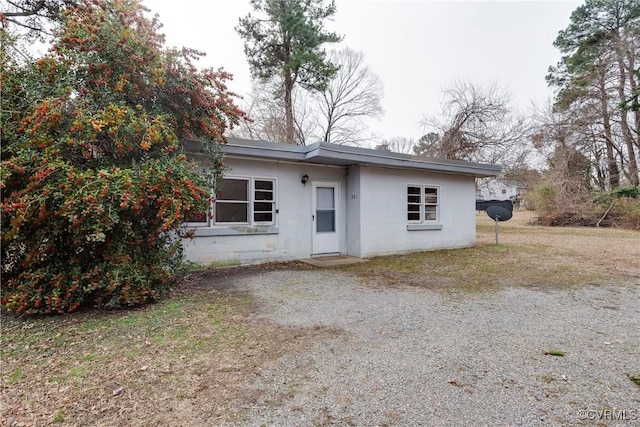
(293, 222)
(495, 189)
(353, 211)
(372, 214)
(383, 198)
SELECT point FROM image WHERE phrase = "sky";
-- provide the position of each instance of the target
(418, 48)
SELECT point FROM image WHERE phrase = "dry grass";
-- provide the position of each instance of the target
(186, 361)
(608, 252)
(180, 362)
(532, 256)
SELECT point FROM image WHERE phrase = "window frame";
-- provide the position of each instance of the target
(247, 203)
(423, 203)
(207, 221)
(255, 200)
(211, 221)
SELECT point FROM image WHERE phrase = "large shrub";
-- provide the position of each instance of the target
(94, 187)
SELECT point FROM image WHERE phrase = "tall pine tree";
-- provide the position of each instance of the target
(597, 71)
(286, 40)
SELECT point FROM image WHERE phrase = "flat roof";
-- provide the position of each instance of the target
(324, 153)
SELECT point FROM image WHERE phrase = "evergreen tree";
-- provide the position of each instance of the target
(598, 72)
(286, 39)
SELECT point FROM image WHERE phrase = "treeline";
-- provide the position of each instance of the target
(578, 157)
(590, 137)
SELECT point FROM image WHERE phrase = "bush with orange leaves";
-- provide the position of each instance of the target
(94, 187)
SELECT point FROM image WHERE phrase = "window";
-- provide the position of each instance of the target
(414, 201)
(245, 201)
(248, 201)
(325, 209)
(197, 219)
(263, 201)
(232, 202)
(422, 203)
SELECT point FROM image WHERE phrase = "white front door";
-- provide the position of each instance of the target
(326, 239)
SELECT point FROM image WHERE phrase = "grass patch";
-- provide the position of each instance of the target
(58, 417)
(528, 256)
(223, 264)
(485, 267)
(16, 376)
(173, 360)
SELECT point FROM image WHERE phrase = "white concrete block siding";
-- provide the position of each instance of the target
(371, 203)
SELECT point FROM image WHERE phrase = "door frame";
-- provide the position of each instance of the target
(320, 243)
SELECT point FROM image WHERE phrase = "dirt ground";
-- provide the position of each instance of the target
(186, 360)
(182, 361)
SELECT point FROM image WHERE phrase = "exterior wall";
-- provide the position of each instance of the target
(495, 189)
(383, 204)
(372, 214)
(289, 238)
(353, 211)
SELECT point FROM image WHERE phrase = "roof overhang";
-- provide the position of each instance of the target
(323, 153)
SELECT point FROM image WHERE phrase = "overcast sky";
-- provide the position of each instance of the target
(417, 48)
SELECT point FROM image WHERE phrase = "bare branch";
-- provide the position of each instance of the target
(22, 12)
(36, 16)
(477, 124)
(352, 95)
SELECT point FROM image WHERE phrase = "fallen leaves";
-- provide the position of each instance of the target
(635, 378)
(164, 364)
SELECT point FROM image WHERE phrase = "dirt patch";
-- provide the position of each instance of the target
(226, 278)
(183, 361)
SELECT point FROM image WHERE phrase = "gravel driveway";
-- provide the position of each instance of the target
(412, 356)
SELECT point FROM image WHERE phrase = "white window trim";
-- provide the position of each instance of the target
(422, 219)
(247, 202)
(274, 208)
(210, 222)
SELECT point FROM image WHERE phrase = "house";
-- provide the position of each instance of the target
(497, 189)
(282, 202)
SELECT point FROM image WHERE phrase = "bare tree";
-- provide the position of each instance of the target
(265, 109)
(36, 16)
(334, 115)
(397, 144)
(478, 124)
(579, 127)
(352, 95)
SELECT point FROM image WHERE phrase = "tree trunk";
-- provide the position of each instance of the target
(626, 132)
(600, 173)
(330, 111)
(327, 134)
(612, 165)
(633, 85)
(288, 109)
